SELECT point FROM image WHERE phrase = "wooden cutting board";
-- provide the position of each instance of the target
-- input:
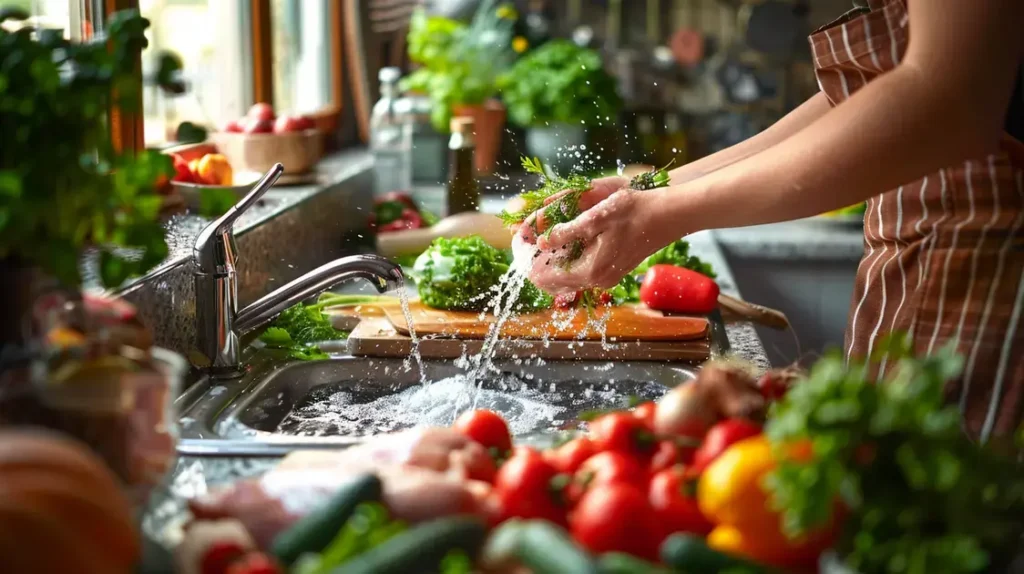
(377, 337)
(623, 323)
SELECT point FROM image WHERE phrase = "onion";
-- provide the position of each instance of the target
(687, 410)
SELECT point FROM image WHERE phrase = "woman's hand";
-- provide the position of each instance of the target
(599, 190)
(616, 234)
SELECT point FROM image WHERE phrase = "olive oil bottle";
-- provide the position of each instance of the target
(463, 193)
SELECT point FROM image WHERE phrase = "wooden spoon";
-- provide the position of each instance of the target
(487, 226)
(755, 313)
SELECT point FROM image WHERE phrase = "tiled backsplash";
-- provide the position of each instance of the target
(324, 224)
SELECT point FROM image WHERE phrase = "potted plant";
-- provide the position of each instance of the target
(65, 189)
(459, 69)
(557, 92)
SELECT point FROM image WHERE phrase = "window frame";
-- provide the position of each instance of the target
(127, 129)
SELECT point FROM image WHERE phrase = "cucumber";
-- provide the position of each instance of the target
(547, 549)
(689, 553)
(421, 548)
(314, 532)
(620, 563)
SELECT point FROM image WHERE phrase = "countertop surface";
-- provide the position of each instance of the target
(194, 476)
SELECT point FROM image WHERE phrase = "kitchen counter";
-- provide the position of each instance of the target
(194, 476)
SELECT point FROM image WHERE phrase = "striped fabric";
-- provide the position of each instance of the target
(944, 256)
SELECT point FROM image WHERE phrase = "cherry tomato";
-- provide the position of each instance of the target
(672, 496)
(602, 469)
(645, 412)
(615, 518)
(568, 457)
(622, 432)
(669, 454)
(485, 427)
(720, 437)
(524, 489)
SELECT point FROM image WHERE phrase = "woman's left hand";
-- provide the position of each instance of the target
(616, 235)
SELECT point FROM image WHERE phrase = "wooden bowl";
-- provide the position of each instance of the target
(298, 152)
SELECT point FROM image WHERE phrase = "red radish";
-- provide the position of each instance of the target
(261, 111)
(255, 126)
(285, 124)
(688, 410)
(678, 290)
(305, 122)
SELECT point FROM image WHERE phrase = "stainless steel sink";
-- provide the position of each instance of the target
(282, 405)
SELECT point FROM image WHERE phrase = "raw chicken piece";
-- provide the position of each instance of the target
(423, 472)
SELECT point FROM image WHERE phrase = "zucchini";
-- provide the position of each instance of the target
(690, 553)
(314, 532)
(421, 548)
(621, 563)
(547, 549)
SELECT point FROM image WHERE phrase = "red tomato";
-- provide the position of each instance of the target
(524, 490)
(678, 290)
(672, 496)
(645, 412)
(602, 469)
(669, 454)
(720, 437)
(485, 427)
(261, 111)
(568, 457)
(615, 518)
(621, 432)
(771, 387)
(233, 127)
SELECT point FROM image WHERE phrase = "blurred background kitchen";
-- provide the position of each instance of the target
(583, 84)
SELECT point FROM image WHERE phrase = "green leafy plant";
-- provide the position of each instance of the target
(559, 83)
(920, 496)
(64, 187)
(459, 63)
(463, 273)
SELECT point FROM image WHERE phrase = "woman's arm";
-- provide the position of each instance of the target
(943, 104)
(793, 122)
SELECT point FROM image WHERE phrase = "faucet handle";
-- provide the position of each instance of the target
(211, 244)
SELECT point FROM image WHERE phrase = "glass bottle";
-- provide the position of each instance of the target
(462, 192)
(390, 137)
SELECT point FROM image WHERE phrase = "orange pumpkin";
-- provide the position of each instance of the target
(61, 508)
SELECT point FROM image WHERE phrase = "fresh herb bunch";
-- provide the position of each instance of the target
(550, 184)
(655, 178)
(920, 496)
(462, 274)
(560, 83)
(298, 328)
(65, 188)
(460, 64)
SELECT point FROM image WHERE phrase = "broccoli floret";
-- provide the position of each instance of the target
(460, 274)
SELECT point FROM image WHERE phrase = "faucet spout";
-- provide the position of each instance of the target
(381, 273)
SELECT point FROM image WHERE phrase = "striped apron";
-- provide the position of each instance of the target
(944, 255)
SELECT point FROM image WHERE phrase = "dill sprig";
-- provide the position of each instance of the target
(550, 185)
(657, 177)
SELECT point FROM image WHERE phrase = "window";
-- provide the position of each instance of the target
(53, 14)
(208, 36)
(301, 47)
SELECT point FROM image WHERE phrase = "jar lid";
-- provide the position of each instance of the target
(462, 125)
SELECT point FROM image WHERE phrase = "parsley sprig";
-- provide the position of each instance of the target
(921, 496)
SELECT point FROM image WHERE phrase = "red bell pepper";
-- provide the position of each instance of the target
(678, 290)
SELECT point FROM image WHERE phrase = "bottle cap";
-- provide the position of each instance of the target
(462, 125)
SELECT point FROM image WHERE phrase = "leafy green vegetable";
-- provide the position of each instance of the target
(560, 82)
(299, 328)
(65, 186)
(921, 497)
(369, 527)
(462, 274)
(460, 64)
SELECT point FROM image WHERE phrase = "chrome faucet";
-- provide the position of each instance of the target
(219, 323)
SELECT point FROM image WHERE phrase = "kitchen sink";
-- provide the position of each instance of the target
(282, 405)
